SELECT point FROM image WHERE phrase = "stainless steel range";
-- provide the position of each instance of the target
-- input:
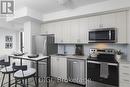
(102, 68)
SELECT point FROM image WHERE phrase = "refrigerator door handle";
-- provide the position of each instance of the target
(44, 47)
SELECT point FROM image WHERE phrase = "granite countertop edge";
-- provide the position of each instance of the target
(71, 56)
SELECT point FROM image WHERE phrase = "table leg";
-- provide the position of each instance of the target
(21, 62)
(37, 74)
(9, 81)
(9, 85)
(48, 70)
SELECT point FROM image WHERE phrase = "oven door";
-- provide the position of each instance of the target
(102, 35)
(93, 74)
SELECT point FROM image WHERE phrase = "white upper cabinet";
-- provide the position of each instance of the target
(83, 30)
(114, 20)
(108, 21)
(94, 22)
(59, 34)
(66, 31)
(128, 27)
(121, 25)
(76, 30)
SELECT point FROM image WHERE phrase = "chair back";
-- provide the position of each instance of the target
(19, 67)
(2, 62)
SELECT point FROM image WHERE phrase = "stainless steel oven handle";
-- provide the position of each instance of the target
(109, 35)
(96, 62)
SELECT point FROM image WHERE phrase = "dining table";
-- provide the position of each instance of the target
(36, 60)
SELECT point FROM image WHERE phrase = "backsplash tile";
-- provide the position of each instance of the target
(70, 49)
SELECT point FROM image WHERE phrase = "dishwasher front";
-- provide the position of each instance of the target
(76, 71)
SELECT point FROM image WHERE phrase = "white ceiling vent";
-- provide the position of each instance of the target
(66, 3)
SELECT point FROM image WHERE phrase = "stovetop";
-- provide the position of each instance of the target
(102, 60)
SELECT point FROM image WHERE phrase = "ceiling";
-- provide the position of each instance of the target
(48, 6)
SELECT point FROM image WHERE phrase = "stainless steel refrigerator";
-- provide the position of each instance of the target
(43, 45)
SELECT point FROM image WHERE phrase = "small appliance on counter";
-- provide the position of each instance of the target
(93, 53)
(79, 50)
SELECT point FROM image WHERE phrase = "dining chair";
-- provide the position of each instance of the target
(22, 75)
(6, 70)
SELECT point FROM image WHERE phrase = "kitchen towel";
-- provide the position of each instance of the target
(104, 70)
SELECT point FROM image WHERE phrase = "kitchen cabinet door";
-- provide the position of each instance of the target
(54, 66)
(94, 22)
(66, 31)
(59, 32)
(124, 74)
(83, 30)
(62, 69)
(108, 20)
(59, 67)
(74, 31)
(121, 25)
(117, 20)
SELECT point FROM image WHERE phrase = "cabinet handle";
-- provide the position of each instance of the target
(78, 40)
(74, 62)
(126, 73)
(125, 66)
(126, 80)
(101, 25)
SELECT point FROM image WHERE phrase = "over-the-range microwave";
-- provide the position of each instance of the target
(103, 35)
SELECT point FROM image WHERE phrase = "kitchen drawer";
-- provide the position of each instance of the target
(124, 73)
(125, 79)
(125, 66)
(124, 85)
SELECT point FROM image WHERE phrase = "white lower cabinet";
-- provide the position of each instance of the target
(59, 67)
(124, 75)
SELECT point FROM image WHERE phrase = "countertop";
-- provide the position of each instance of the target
(71, 56)
(25, 57)
(123, 60)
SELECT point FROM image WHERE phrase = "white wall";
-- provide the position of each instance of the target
(3, 33)
(25, 14)
(30, 28)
